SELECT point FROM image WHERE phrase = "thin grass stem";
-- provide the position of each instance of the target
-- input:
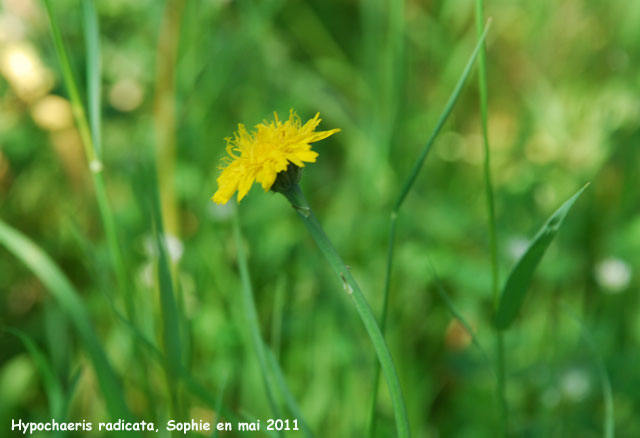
(489, 194)
(94, 163)
(408, 184)
(608, 430)
(251, 316)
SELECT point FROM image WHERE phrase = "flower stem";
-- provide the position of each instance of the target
(300, 204)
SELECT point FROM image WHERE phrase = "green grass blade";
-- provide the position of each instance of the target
(72, 88)
(252, 317)
(71, 390)
(69, 300)
(484, 112)
(94, 72)
(52, 387)
(169, 311)
(289, 399)
(444, 296)
(218, 409)
(515, 289)
(276, 317)
(441, 121)
(94, 163)
(607, 394)
(453, 98)
(493, 235)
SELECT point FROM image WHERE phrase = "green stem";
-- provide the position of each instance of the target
(383, 321)
(252, 317)
(500, 380)
(94, 163)
(298, 201)
(489, 193)
(408, 184)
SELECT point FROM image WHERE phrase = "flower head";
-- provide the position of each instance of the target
(262, 154)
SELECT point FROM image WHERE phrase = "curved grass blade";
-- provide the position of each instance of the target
(69, 300)
(607, 394)
(286, 393)
(170, 313)
(220, 397)
(52, 387)
(87, 136)
(71, 390)
(252, 317)
(408, 184)
(442, 292)
(515, 289)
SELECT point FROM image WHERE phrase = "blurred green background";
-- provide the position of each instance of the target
(178, 76)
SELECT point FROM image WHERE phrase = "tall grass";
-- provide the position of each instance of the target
(413, 175)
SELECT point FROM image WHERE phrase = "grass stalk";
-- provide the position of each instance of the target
(300, 204)
(164, 110)
(489, 195)
(267, 361)
(94, 163)
(408, 184)
(608, 430)
(94, 72)
(68, 298)
(251, 315)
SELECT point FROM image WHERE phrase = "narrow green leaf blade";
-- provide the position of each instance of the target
(608, 430)
(288, 396)
(170, 313)
(515, 289)
(52, 387)
(69, 300)
(94, 71)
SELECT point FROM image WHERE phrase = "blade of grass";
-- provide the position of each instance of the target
(216, 432)
(607, 394)
(444, 296)
(276, 317)
(441, 121)
(94, 163)
(71, 390)
(94, 72)
(252, 317)
(483, 90)
(170, 314)
(52, 387)
(289, 399)
(493, 238)
(517, 285)
(413, 175)
(69, 300)
(164, 109)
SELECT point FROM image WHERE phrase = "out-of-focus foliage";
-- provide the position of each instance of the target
(563, 110)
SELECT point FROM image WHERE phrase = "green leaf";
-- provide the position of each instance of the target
(69, 300)
(94, 71)
(52, 387)
(171, 316)
(289, 398)
(608, 430)
(515, 289)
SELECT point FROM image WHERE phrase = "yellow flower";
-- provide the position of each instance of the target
(262, 154)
